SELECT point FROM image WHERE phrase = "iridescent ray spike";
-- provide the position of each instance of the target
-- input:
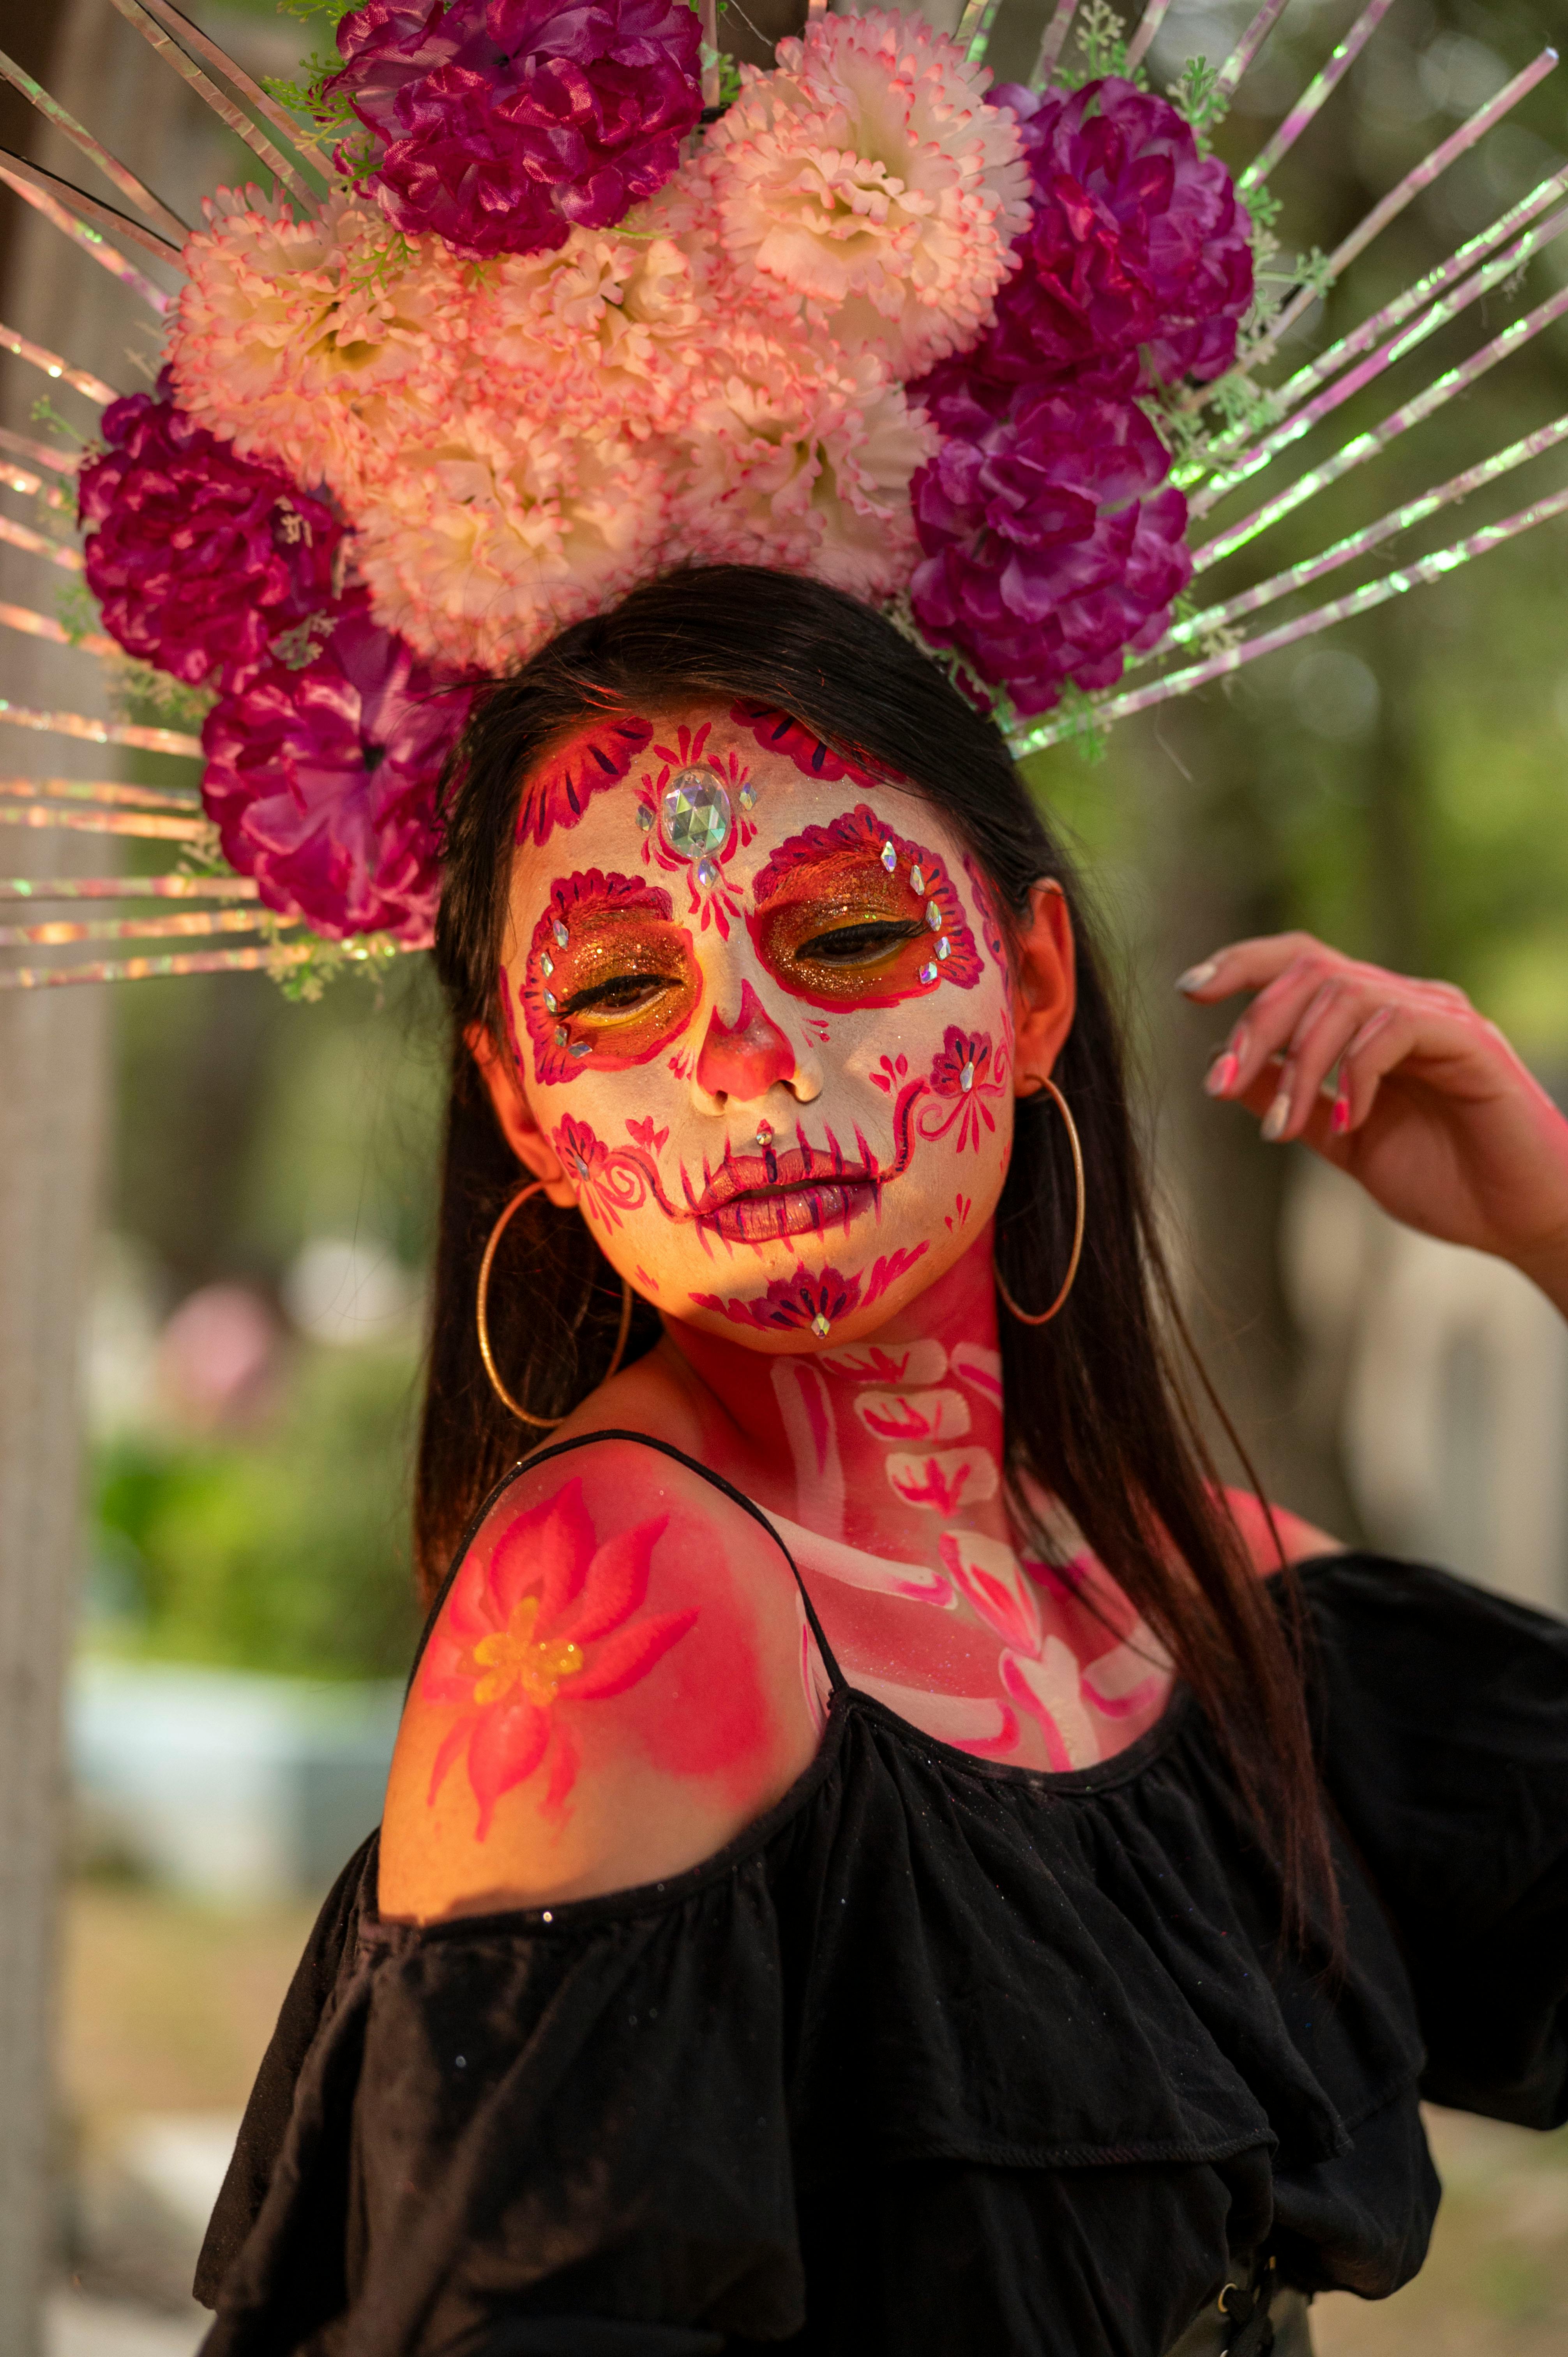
(147, 827)
(54, 933)
(36, 544)
(1143, 41)
(83, 380)
(973, 34)
(177, 886)
(63, 462)
(1362, 447)
(190, 33)
(94, 209)
(1247, 48)
(1051, 42)
(273, 959)
(102, 732)
(1449, 306)
(1435, 568)
(1359, 543)
(1321, 86)
(123, 179)
(45, 625)
(225, 108)
(23, 479)
(90, 240)
(101, 790)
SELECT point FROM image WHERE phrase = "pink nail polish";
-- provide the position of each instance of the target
(1222, 1075)
(1340, 1119)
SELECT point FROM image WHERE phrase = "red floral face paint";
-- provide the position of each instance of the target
(985, 903)
(595, 758)
(776, 733)
(791, 1305)
(854, 915)
(609, 975)
(964, 1073)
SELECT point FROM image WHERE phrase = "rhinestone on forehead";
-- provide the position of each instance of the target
(696, 813)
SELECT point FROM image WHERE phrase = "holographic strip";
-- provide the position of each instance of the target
(973, 34)
(22, 479)
(1143, 41)
(54, 933)
(44, 626)
(110, 165)
(254, 96)
(1247, 48)
(158, 969)
(1320, 87)
(238, 122)
(1263, 454)
(1051, 42)
(101, 790)
(1421, 176)
(63, 462)
(128, 887)
(93, 210)
(101, 732)
(1343, 610)
(52, 365)
(1360, 544)
(36, 544)
(1362, 447)
(149, 828)
(90, 242)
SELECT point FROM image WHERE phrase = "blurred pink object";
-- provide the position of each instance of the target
(217, 1356)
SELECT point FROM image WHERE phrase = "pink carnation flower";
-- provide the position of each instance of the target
(801, 459)
(865, 187)
(499, 123)
(322, 784)
(200, 559)
(1133, 240)
(1050, 549)
(317, 344)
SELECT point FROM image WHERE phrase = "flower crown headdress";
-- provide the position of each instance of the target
(545, 298)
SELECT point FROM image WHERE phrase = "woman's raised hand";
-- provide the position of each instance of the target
(1428, 1106)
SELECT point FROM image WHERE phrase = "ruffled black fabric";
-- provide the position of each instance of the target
(941, 2058)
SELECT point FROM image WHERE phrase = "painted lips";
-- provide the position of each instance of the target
(757, 1198)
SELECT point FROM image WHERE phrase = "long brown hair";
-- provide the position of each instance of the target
(1096, 1410)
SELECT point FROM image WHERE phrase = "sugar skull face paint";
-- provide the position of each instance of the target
(767, 1026)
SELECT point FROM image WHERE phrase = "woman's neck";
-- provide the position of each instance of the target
(884, 1445)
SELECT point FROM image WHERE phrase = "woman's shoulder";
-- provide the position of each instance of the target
(614, 1684)
(1272, 1535)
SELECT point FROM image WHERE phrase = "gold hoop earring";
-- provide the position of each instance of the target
(1044, 1317)
(546, 1423)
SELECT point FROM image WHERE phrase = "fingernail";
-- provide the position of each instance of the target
(1340, 1119)
(1197, 977)
(1222, 1075)
(1274, 1120)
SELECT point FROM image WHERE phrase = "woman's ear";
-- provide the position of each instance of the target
(522, 1132)
(1045, 987)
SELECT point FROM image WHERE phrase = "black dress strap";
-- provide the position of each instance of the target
(836, 1679)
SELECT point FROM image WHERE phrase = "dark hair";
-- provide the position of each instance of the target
(1096, 1412)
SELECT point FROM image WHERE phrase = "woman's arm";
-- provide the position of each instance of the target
(1431, 1110)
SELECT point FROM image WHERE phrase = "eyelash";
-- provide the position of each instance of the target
(885, 933)
(601, 993)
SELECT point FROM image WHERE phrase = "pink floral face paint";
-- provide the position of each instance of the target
(761, 1028)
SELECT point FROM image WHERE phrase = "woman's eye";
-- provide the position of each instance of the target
(860, 944)
(623, 993)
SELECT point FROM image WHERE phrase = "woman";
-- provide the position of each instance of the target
(883, 1853)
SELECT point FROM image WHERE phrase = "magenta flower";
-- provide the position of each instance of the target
(200, 559)
(1134, 241)
(498, 126)
(1050, 548)
(322, 783)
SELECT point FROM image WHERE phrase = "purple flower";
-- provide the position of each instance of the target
(322, 783)
(200, 559)
(1135, 241)
(1049, 547)
(500, 126)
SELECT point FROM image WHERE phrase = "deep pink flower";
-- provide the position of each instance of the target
(793, 1302)
(1050, 548)
(322, 783)
(500, 125)
(1134, 241)
(200, 559)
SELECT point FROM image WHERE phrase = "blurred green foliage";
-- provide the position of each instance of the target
(285, 1550)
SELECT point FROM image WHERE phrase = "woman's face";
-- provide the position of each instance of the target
(761, 1010)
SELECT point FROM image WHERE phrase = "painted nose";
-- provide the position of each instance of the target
(745, 1059)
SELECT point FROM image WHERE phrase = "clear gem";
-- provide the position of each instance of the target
(927, 973)
(581, 1047)
(746, 797)
(579, 1166)
(561, 1036)
(944, 948)
(966, 1078)
(696, 813)
(889, 858)
(765, 1133)
(917, 881)
(819, 1326)
(706, 873)
(933, 917)
(546, 962)
(561, 934)
(550, 1006)
(644, 819)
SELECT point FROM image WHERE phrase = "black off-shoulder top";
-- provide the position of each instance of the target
(941, 2058)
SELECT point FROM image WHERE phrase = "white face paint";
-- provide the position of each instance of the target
(762, 1011)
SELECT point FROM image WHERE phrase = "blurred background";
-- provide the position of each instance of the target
(229, 1196)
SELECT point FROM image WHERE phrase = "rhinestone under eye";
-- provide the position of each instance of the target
(562, 936)
(944, 947)
(889, 858)
(546, 963)
(917, 881)
(550, 1005)
(933, 917)
(927, 973)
